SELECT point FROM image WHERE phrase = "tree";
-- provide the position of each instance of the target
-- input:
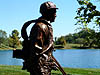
(87, 13)
(3, 38)
(69, 38)
(79, 40)
(14, 39)
(61, 41)
(88, 36)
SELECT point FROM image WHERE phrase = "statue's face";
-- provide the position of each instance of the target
(52, 15)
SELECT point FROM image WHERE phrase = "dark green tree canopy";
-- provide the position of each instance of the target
(15, 32)
(14, 39)
(61, 41)
(87, 13)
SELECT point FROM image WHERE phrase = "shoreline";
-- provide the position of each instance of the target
(68, 46)
(6, 49)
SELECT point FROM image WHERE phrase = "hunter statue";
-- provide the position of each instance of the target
(38, 47)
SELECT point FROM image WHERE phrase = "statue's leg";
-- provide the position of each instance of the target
(37, 66)
(44, 66)
(40, 71)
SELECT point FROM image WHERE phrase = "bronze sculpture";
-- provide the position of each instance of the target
(38, 47)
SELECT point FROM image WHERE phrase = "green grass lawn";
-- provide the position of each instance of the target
(16, 70)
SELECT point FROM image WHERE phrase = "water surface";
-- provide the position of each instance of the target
(74, 58)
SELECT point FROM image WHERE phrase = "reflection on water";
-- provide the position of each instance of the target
(67, 58)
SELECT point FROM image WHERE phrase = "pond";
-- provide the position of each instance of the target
(75, 58)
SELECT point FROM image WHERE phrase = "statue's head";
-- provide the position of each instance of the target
(48, 10)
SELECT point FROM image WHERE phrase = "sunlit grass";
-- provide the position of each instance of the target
(12, 70)
(16, 70)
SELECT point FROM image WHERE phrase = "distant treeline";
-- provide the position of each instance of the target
(85, 37)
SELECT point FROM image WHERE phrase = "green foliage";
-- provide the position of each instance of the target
(3, 38)
(79, 40)
(61, 41)
(87, 13)
(85, 37)
(69, 38)
(11, 41)
(14, 39)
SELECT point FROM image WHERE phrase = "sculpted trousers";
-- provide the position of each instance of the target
(40, 65)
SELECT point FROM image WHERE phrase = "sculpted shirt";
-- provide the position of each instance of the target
(41, 36)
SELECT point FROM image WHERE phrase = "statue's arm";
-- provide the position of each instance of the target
(23, 30)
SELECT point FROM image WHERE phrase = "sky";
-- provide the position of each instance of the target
(14, 13)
